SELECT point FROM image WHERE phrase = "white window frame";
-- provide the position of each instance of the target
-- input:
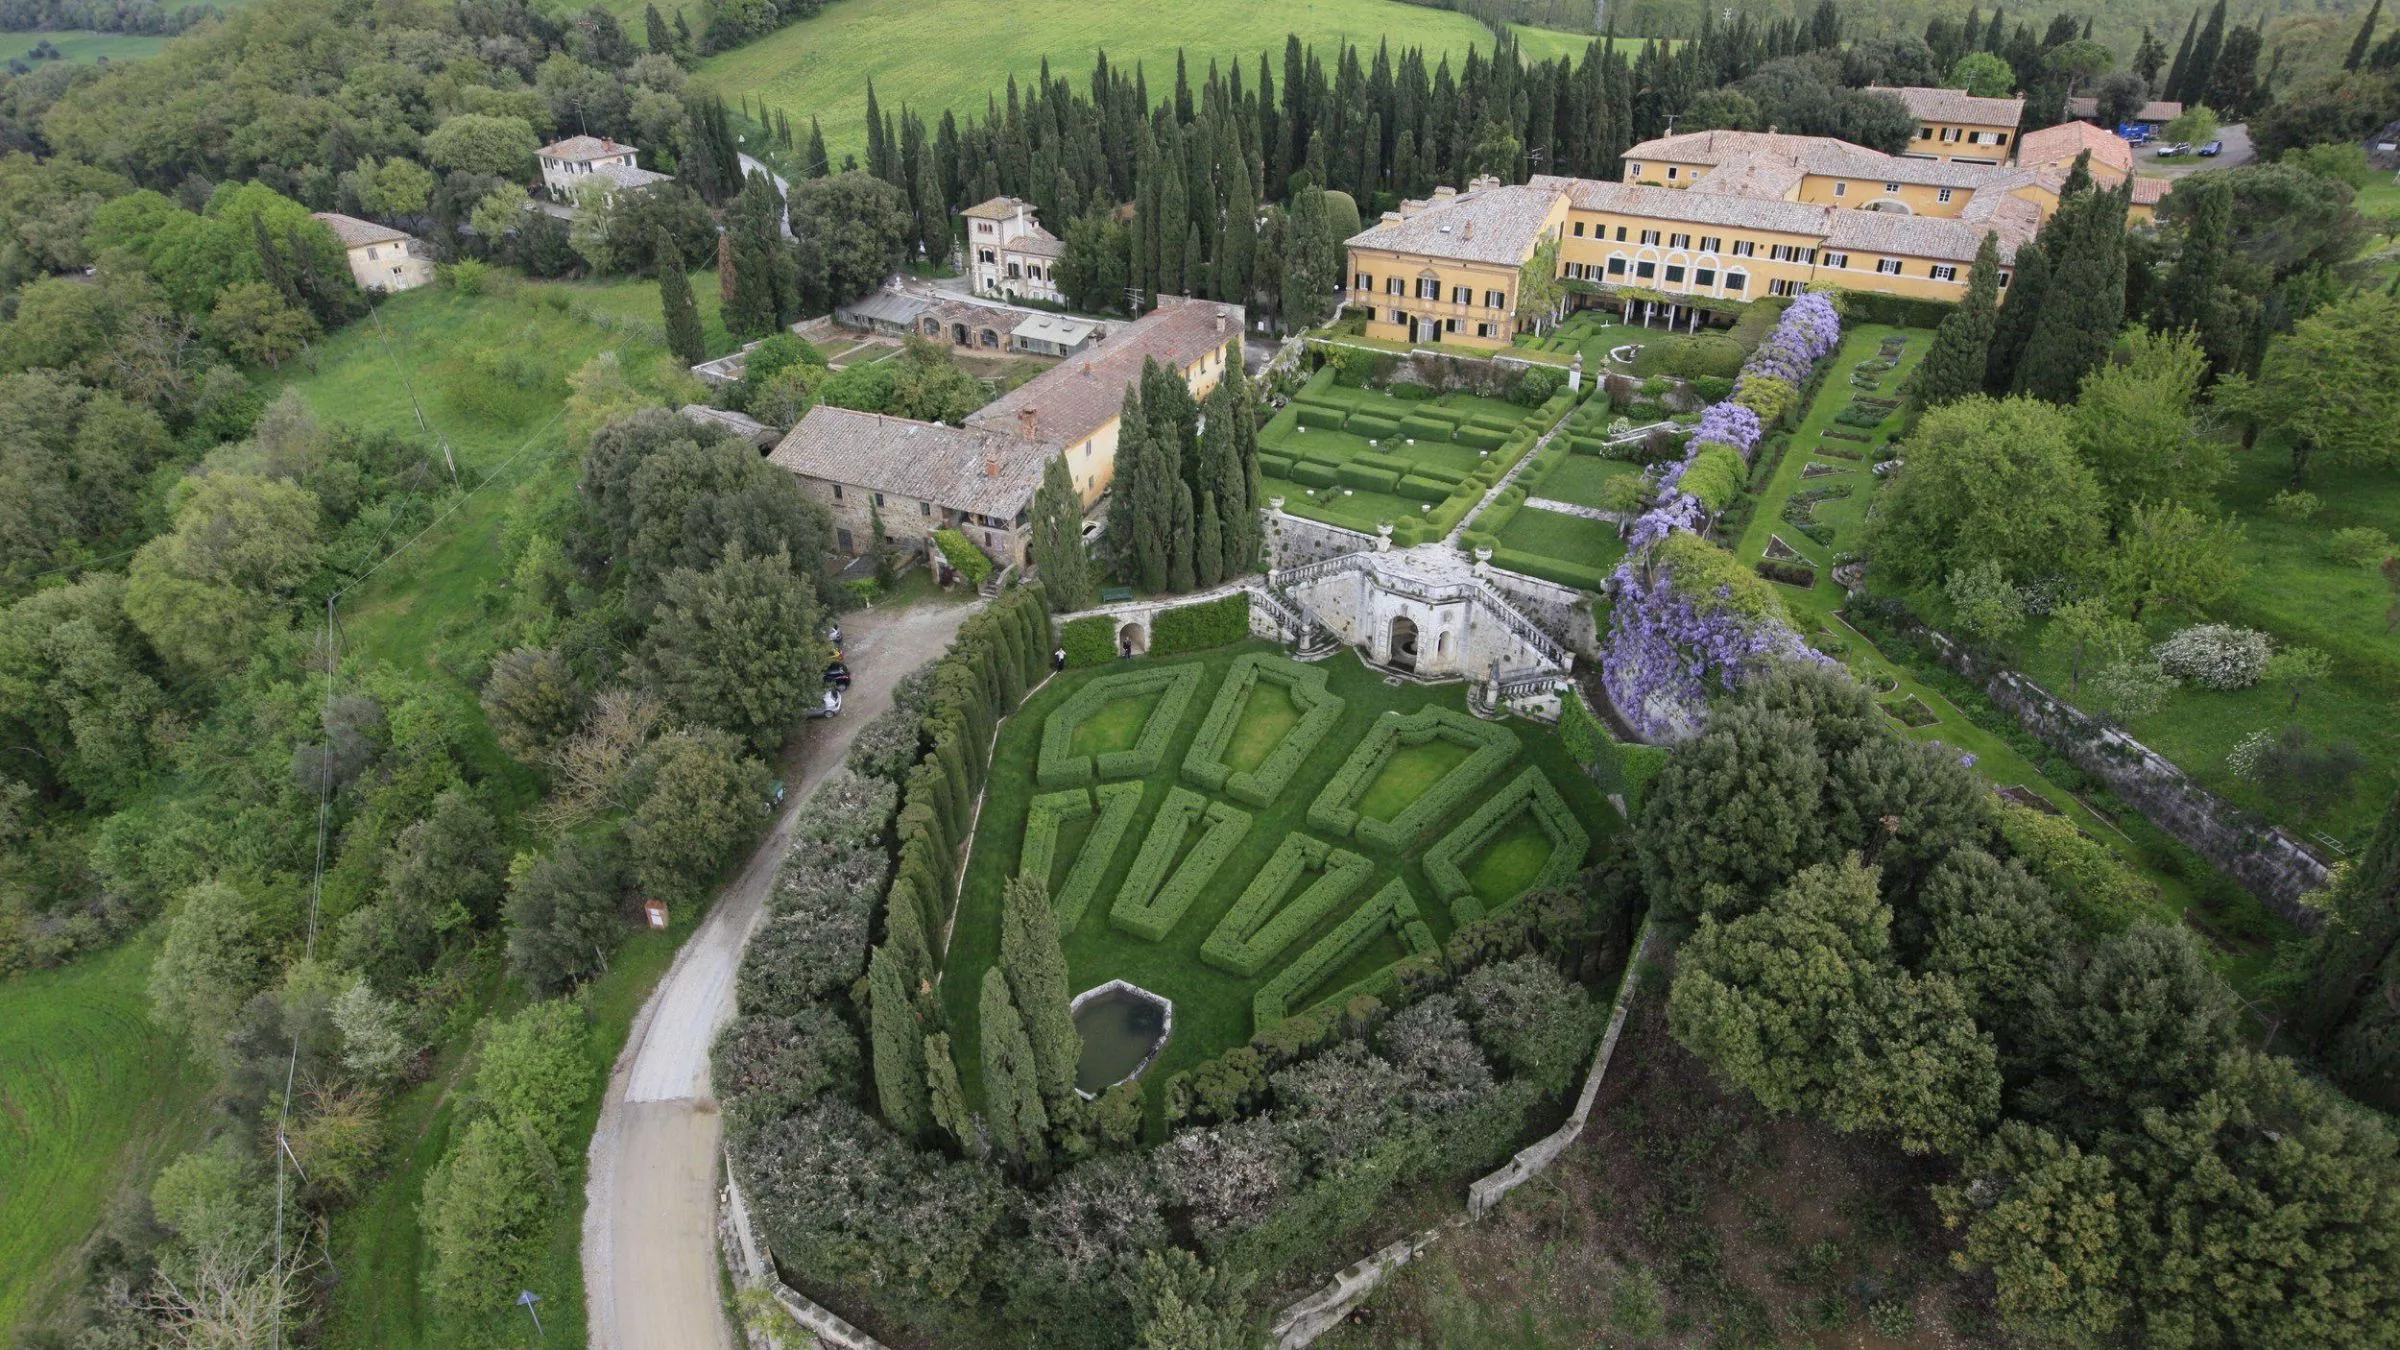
(1945, 272)
(1887, 267)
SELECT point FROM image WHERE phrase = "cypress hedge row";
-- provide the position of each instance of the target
(1059, 765)
(1255, 931)
(1530, 792)
(1204, 765)
(1336, 808)
(1151, 903)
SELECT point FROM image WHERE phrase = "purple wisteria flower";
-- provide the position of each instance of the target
(1728, 423)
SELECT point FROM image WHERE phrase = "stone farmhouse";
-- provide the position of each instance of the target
(980, 478)
(2154, 114)
(1009, 253)
(583, 163)
(381, 258)
(1713, 216)
(1956, 126)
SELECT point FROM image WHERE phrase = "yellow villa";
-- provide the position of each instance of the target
(1702, 222)
(1957, 126)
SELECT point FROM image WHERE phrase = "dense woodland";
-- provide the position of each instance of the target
(180, 715)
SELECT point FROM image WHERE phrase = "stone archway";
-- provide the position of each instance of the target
(958, 335)
(1404, 643)
(1133, 639)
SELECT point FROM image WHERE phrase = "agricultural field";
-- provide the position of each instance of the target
(1357, 457)
(1249, 837)
(932, 55)
(78, 46)
(93, 1097)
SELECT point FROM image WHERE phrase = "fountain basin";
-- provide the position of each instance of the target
(1123, 1026)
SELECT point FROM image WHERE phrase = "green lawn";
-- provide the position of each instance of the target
(1583, 479)
(1212, 1007)
(933, 55)
(78, 46)
(1407, 774)
(1115, 727)
(1268, 715)
(1296, 452)
(94, 1097)
(1511, 861)
(1569, 539)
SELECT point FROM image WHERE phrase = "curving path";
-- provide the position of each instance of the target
(650, 1207)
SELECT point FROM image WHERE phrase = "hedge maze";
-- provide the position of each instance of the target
(1530, 797)
(1151, 902)
(1261, 924)
(1061, 766)
(1205, 766)
(1336, 810)
(1253, 837)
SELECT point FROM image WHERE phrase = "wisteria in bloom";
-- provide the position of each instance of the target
(1728, 423)
(1664, 645)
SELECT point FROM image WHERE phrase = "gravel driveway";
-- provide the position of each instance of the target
(650, 1215)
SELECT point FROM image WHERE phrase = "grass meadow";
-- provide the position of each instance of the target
(1212, 1006)
(78, 46)
(934, 55)
(93, 1096)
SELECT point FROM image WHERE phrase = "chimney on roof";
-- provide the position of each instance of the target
(1027, 423)
(991, 465)
(1220, 323)
(1770, 129)
(1470, 231)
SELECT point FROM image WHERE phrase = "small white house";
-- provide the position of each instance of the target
(579, 163)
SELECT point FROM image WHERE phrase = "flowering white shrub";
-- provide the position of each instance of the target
(2242, 760)
(2215, 655)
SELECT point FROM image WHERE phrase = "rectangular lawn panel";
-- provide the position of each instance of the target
(1214, 1006)
(1116, 727)
(1407, 774)
(1569, 539)
(1485, 847)
(1267, 717)
(1584, 479)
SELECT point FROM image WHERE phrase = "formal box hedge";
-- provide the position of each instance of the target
(1481, 438)
(1204, 764)
(1313, 474)
(1373, 460)
(1419, 488)
(1044, 816)
(1445, 862)
(1277, 466)
(1357, 475)
(1373, 426)
(1151, 903)
(1550, 569)
(1392, 909)
(1090, 641)
(1060, 767)
(1319, 416)
(1426, 428)
(1260, 924)
(1117, 804)
(1336, 808)
(1192, 628)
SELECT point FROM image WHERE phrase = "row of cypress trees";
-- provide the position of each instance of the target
(997, 656)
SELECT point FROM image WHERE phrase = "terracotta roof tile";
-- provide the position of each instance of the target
(576, 149)
(2062, 143)
(1086, 391)
(955, 467)
(1493, 225)
(998, 208)
(356, 233)
(1954, 105)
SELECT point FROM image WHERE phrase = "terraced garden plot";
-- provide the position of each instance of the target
(1115, 727)
(1569, 539)
(1358, 457)
(1213, 965)
(1584, 479)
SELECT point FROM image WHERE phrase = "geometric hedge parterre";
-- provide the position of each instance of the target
(1151, 903)
(1530, 794)
(1335, 810)
(1205, 767)
(1260, 925)
(1393, 910)
(1061, 767)
(1048, 813)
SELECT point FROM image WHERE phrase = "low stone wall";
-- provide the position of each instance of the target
(2267, 862)
(1293, 540)
(747, 1256)
(1304, 1321)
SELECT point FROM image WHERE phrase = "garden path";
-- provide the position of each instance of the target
(650, 1208)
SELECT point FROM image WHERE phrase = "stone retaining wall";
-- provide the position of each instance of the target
(1293, 540)
(1559, 609)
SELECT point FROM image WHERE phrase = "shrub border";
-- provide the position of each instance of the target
(1393, 908)
(1151, 903)
(1059, 767)
(1118, 802)
(1335, 810)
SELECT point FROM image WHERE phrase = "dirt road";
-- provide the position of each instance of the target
(650, 1209)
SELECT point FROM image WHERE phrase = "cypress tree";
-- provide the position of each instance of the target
(1238, 238)
(2202, 72)
(1036, 967)
(2028, 286)
(2194, 294)
(1180, 542)
(1012, 1100)
(899, 1045)
(2355, 956)
(947, 1097)
(2181, 65)
(1208, 549)
(654, 27)
(2086, 304)
(727, 272)
(2366, 37)
(683, 33)
(1056, 546)
(1962, 346)
(817, 164)
(684, 336)
(1195, 262)
(1307, 282)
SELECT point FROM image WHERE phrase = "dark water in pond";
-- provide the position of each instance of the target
(1118, 1030)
